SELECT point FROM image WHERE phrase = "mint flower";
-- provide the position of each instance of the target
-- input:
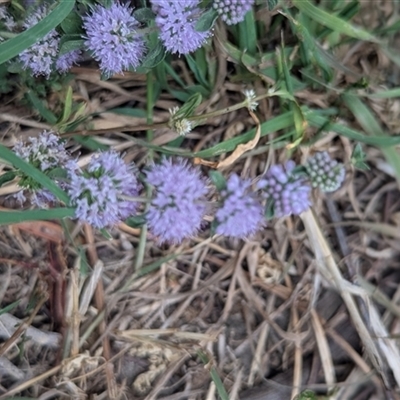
(178, 205)
(176, 20)
(45, 152)
(240, 214)
(325, 173)
(112, 37)
(39, 58)
(67, 60)
(105, 193)
(233, 11)
(287, 191)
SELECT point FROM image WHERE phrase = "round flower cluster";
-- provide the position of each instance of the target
(176, 20)
(106, 193)
(240, 214)
(233, 11)
(178, 206)
(285, 190)
(45, 152)
(324, 172)
(112, 37)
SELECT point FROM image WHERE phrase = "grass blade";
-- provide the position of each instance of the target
(331, 21)
(15, 217)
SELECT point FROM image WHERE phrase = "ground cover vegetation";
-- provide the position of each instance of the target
(199, 199)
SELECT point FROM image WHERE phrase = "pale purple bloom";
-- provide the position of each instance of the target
(67, 60)
(240, 214)
(39, 58)
(106, 192)
(325, 173)
(112, 37)
(178, 206)
(44, 152)
(176, 20)
(232, 11)
(6, 19)
(288, 191)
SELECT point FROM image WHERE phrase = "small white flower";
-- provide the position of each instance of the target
(182, 126)
(250, 95)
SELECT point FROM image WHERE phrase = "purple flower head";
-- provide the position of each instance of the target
(178, 205)
(241, 214)
(233, 11)
(325, 173)
(39, 58)
(103, 194)
(67, 60)
(45, 152)
(288, 191)
(111, 34)
(6, 19)
(176, 20)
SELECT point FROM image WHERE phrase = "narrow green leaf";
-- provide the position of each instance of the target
(248, 33)
(368, 122)
(15, 217)
(154, 56)
(206, 20)
(217, 179)
(10, 307)
(67, 106)
(72, 24)
(7, 177)
(21, 42)
(189, 107)
(223, 394)
(332, 21)
(34, 173)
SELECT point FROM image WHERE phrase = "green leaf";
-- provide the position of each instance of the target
(358, 158)
(34, 173)
(154, 56)
(7, 177)
(331, 21)
(69, 43)
(207, 20)
(72, 24)
(15, 217)
(368, 122)
(21, 42)
(144, 14)
(248, 34)
(271, 4)
(137, 221)
(223, 394)
(189, 107)
(10, 307)
(217, 179)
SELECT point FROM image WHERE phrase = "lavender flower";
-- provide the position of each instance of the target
(325, 173)
(176, 20)
(178, 206)
(45, 152)
(287, 191)
(67, 60)
(113, 38)
(40, 57)
(104, 194)
(240, 214)
(6, 19)
(233, 11)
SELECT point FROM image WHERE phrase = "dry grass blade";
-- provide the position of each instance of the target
(328, 266)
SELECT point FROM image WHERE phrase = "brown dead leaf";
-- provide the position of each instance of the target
(242, 148)
(44, 229)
